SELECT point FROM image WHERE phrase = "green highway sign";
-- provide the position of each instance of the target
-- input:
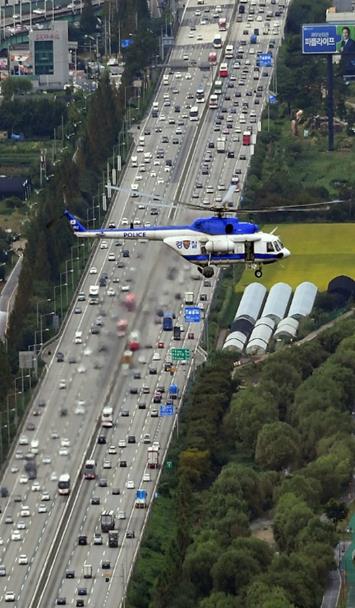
(169, 464)
(180, 354)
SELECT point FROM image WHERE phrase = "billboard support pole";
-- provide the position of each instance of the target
(330, 100)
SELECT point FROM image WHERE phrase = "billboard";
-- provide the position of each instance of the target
(334, 39)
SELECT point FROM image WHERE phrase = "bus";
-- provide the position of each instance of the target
(213, 102)
(218, 87)
(200, 94)
(64, 484)
(107, 416)
(223, 70)
(193, 113)
(90, 469)
(168, 321)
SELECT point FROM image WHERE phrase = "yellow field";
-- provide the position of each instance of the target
(319, 252)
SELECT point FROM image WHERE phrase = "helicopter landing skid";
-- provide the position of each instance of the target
(206, 271)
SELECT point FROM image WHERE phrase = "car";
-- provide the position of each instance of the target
(121, 515)
(123, 463)
(17, 498)
(69, 574)
(142, 405)
(105, 565)
(42, 508)
(9, 596)
(23, 440)
(97, 538)
(16, 535)
(82, 539)
(130, 534)
(21, 525)
(45, 497)
(111, 257)
(62, 384)
(63, 451)
(93, 270)
(23, 559)
(124, 413)
(36, 487)
(115, 491)
(9, 519)
(102, 482)
(154, 413)
(95, 500)
(146, 477)
(107, 464)
(77, 311)
(130, 485)
(121, 444)
(113, 450)
(23, 479)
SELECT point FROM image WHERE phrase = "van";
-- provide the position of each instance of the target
(229, 51)
(78, 339)
(166, 79)
(141, 140)
(34, 446)
(134, 161)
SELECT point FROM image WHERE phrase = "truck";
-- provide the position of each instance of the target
(127, 359)
(129, 301)
(141, 499)
(94, 294)
(107, 521)
(31, 469)
(87, 571)
(121, 327)
(221, 144)
(134, 341)
(222, 24)
(113, 538)
(189, 298)
(153, 457)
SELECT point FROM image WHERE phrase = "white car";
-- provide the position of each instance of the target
(187, 76)
(103, 245)
(130, 484)
(25, 511)
(23, 479)
(107, 464)
(81, 369)
(156, 356)
(124, 221)
(111, 257)
(162, 117)
(97, 538)
(146, 438)
(63, 452)
(14, 469)
(125, 288)
(54, 476)
(23, 560)
(112, 449)
(15, 535)
(19, 455)
(65, 442)
(93, 270)
(9, 596)
(111, 292)
(36, 486)
(79, 410)
(23, 440)
(121, 515)
(46, 460)
(146, 477)
(21, 525)
(62, 384)
(42, 508)
(45, 497)
(156, 445)
(121, 443)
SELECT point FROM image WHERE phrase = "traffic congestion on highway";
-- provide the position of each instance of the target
(81, 479)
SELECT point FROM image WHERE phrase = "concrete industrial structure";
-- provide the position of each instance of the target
(49, 50)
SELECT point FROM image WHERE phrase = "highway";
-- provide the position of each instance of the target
(91, 375)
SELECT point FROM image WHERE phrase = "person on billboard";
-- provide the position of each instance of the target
(347, 50)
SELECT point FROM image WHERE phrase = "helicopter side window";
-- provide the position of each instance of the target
(278, 246)
(269, 247)
(229, 228)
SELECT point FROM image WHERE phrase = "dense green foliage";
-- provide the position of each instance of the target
(34, 117)
(281, 442)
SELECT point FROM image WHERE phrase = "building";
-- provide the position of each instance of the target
(49, 50)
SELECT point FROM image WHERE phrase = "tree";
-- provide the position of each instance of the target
(15, 85)
(336, 510)
(291, 516)
(198, 562)
(277, 446)
(88, 18)
(260, 595)
(218, 599)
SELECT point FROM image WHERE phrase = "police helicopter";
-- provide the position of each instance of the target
(219, 240)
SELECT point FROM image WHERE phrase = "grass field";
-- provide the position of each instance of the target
(319, 252)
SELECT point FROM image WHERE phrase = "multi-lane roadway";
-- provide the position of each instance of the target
(39, 537)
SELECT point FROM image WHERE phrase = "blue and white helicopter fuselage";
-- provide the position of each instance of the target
(206, 242)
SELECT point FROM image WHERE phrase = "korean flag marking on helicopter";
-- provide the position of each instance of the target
(186, 244)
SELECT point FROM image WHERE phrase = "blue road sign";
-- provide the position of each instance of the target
(166, 410)
(320, 38)
(192, 314)
(126, 43)
(265, 60)
(272, 99)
